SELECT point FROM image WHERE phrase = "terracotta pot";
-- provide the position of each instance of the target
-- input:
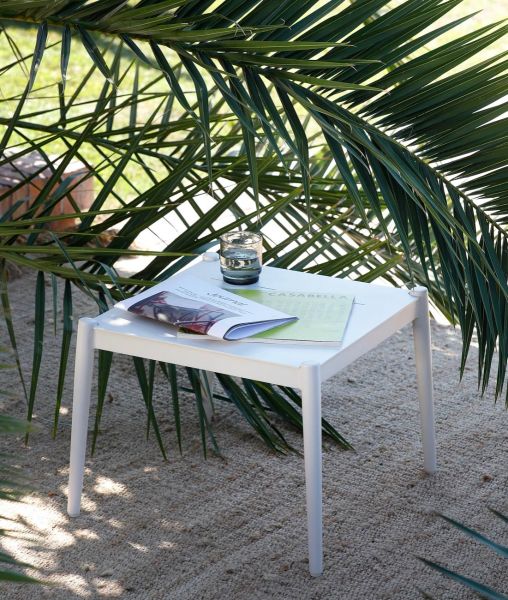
(31, 168)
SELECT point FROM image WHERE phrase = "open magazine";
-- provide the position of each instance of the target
(201, 308)
(322, 316)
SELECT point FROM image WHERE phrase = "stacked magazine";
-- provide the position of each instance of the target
(200, 310)
(322, 316)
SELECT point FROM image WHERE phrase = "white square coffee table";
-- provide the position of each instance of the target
(378, 312)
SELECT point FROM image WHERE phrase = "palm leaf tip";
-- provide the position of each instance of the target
(40, 45)
(481, 589)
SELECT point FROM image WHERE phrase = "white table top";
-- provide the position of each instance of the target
(378, 312)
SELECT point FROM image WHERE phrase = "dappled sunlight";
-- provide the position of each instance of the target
(42, 536)
(139, 547)
(149, 469)
(43, 520)
(79, 555)
(115, 523)
(86, 534)
(108, 487)
(75, 584)
(167, 546)
(87, 504)
(109, 588)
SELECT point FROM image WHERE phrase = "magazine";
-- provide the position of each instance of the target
(201, 308)
(322, 316)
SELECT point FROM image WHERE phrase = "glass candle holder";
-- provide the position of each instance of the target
(241, 257)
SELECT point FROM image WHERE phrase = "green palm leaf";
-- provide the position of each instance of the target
(481, 589)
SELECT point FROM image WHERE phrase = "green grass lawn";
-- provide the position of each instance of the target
(43, 105)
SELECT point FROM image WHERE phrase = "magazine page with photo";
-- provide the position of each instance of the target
(188, 303)
(181, 311)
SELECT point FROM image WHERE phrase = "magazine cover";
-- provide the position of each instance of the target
(322, 316)
(191, 304)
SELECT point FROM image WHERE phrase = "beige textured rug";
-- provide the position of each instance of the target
(213, 529)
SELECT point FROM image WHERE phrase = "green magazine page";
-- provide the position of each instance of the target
(322, 317)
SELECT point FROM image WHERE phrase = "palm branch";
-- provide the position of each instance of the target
(356, 150)
(482, 590)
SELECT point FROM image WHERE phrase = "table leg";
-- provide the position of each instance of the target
(83, 371)
(311, 412)
(423, 355)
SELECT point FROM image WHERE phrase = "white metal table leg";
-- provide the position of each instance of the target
(311, 412)
(83, 371)
(423, 355)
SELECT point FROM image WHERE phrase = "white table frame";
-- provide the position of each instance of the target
(381, 312)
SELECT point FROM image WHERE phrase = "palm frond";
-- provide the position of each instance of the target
(481, 589)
